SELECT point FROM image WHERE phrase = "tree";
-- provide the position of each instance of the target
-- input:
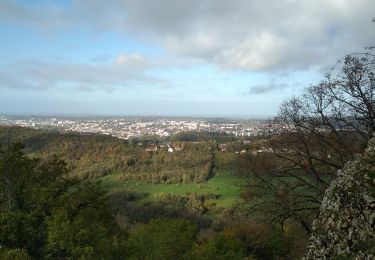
(27, 192)
(81, 227)
(15, 173)
(323, 129)
(220, 247)
(162, 239)
(43, 213)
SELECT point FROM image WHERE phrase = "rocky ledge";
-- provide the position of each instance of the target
(345, 227)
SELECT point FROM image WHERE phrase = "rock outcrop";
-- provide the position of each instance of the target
(345, 227)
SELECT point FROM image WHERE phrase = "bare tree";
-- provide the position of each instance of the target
(323, 129)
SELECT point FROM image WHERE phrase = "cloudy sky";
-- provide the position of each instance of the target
(171, 57)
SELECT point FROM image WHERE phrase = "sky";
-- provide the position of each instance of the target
(171, 57)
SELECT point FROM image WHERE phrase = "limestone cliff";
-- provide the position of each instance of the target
(345, 227)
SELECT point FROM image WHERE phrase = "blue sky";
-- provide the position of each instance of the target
(200, 58)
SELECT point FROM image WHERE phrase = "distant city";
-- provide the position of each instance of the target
(133, 127)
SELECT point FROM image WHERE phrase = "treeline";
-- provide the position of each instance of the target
(202, 136)
(92, 155)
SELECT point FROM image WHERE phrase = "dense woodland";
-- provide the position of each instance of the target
(90, 156)
(45, 213)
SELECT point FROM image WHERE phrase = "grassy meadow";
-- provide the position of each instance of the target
(223, 184)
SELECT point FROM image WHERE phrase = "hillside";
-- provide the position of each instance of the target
(93, 155)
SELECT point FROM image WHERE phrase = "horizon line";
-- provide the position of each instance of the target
(61, 115)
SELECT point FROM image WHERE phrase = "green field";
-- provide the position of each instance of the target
(223, 183)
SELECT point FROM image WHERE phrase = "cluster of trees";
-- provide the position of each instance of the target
(44, 214)
(194, 164)
(91, 156)
(196, 203)
(87, 156)
(201, 136)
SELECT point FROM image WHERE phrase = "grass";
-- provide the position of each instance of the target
(223, 184)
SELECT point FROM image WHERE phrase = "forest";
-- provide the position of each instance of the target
(47, 212)
(91, 156)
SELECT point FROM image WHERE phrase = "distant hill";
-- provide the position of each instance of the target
(94, 155)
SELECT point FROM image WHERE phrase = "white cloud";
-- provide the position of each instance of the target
(257, 53)
(133, 59)
(246, 34)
